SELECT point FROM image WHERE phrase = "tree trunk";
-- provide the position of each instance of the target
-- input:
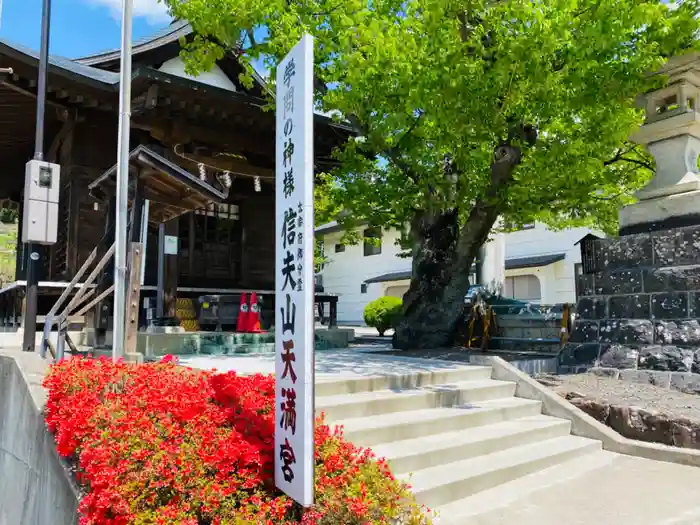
(434, 302)
(442, 258)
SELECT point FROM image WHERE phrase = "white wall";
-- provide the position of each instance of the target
(214, 77)
(345, 272)
(557, 281)
(539, 241)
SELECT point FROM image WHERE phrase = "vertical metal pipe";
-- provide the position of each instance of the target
(34, 259)
(144, 239)
(160, 297)
(120, 276)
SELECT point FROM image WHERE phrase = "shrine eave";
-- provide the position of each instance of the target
(171, 190)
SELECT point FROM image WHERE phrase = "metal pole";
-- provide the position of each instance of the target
(144, 238)
(120, 276)
(34, 257)
(160, 294)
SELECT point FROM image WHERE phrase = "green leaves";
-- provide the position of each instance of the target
(424, 79)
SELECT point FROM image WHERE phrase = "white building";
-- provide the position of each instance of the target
(541, 265)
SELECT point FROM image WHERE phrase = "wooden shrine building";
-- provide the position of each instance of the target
(211, 126)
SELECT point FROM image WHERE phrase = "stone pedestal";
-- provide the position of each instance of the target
(641, 310)
(671, 134)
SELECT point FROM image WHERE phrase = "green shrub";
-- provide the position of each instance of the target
(383, 313)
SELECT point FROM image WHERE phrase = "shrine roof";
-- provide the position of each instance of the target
(62, 66)
(167, 35)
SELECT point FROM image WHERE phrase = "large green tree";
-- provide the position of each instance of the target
(466, 110)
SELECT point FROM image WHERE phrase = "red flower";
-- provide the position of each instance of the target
(163, 444)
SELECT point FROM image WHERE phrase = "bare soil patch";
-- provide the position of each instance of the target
(617, 392)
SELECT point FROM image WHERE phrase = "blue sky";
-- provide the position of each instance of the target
(78, 27)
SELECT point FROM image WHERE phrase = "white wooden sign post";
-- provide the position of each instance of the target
(294, 275)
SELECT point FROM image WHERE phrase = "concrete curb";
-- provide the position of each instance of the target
(37, 484)
(581, 423)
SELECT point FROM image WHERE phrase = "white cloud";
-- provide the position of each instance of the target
(153, 11)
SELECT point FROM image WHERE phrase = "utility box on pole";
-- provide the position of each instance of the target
(41, 192)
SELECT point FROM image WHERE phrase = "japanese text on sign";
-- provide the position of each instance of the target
(294, 411)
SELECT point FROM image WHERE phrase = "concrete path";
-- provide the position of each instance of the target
(330, 365)
(602, 488)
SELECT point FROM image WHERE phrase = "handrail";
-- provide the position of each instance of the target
(93, 275)
(84, 292)
(78, 299)
(49, 321)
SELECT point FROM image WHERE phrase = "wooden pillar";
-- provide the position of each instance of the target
(242, 218)
(3, 309)
(73, 241)
(136, 211)
(105, 279)
(190, 243)
(171, 273)
(20, 272)
(16, 308)
(133, 301)
(22, 300)
(333, 323)
(320, 305)
(72, 177)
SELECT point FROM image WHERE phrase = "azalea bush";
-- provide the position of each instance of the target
(160, 444)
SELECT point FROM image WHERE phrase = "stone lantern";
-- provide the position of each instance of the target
(639, 299)
(671, 133)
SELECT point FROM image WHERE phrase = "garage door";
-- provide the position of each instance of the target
(397, 291)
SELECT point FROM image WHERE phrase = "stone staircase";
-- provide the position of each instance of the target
(453, 434)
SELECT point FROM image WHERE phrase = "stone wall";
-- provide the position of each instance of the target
(35, 487)
(642, 425)
(641, 309)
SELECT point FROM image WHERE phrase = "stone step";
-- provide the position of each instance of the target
(399, 426)
(434, 376)
(444, 484)
(440, 449)
(419, 398)
(471, 508)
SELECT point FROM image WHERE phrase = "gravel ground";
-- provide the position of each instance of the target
(618, 392)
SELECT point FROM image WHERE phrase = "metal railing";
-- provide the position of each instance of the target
(77, 304)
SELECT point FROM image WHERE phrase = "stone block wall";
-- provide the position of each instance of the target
(642, 308)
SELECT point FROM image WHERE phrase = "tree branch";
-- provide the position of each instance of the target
(610, 198)
(638, 162)
(619, 155)
(464, 30)
(410, 130)
(251, 37)
(395, 158)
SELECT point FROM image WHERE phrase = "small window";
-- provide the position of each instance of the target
(363, 288)
(339, 248)
(373, 242)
